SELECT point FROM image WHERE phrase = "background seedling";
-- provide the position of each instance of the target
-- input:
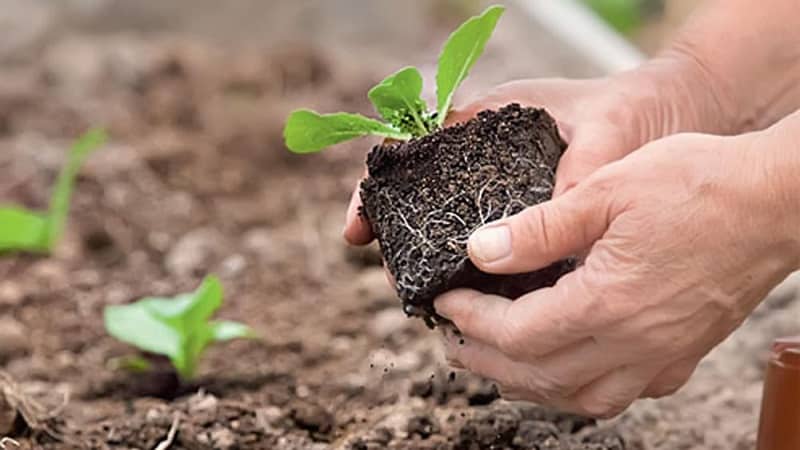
(39, 232)
(178, 328)
(397, 98)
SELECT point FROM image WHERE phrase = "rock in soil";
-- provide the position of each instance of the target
(425, 197)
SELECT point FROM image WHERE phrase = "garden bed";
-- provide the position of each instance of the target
(196, 180)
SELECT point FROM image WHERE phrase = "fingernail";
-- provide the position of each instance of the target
(491, 243)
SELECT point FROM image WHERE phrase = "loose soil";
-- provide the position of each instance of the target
(196, 180)
(426, 196)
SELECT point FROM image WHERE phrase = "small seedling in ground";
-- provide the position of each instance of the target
(22, 230)
(428, 187)
(178, 328)
(397, 98)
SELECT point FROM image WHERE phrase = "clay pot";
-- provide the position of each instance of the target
(779, 427)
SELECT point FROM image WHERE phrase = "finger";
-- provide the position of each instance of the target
(389, 276)
(671, 379)
(534, 325)
(542, 234)
(587, 152)
(612, 393)
(490, 363)
(558, 374)
(357, 231)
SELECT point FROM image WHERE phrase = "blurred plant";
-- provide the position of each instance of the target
(397, 98)
(178, 328)
(625, 16)
(36, 232)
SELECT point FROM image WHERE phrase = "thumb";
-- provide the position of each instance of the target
(543, 234)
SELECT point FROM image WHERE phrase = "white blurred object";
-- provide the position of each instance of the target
(577, 26)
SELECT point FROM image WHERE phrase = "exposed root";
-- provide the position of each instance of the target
(173, 430)
(5, 441)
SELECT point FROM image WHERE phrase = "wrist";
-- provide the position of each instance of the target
(779, 150)
(673, 93)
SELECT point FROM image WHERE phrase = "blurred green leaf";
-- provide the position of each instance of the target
(130, 363)
(178, 328)
(22, 230)
(624, 15)
(30, 231)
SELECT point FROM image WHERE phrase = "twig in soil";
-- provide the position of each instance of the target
(173, 430)
(4, 441)
(36, 416)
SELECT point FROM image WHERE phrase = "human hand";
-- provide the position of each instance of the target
(596, 118)
(686, 237)
(601, 119)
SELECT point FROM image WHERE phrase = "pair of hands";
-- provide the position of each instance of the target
(683, 238)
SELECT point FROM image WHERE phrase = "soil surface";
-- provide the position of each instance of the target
(196, 180)
(426, 196)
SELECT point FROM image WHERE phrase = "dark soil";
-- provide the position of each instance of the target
(426, 196)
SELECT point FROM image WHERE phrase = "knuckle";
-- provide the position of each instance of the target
(511, 340)
(671, 382)
(663, 390)
(537, 226)
(549, 387)
(602, 408)
(467, 315)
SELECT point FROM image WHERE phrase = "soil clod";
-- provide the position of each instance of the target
(425, 197)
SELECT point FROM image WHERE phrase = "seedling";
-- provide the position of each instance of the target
(36, 232)
(178, 328)
(397, 98)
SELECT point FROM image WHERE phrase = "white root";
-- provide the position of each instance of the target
(5, 441)
(173, 430)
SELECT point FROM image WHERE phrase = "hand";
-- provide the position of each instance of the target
(687, 236)
(601, 119)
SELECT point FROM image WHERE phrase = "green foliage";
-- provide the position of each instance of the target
(398, 98)
(178, 328)
(31, 231)
(624, 15)
(307, 131)
(460, 53)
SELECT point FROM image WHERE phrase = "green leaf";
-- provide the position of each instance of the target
(22, 230)
(459, 54)
(205, 301)
(226, 330)
(31, 231)
(397, 99)
(624, 15)
(60, 199)
(307, 131)
(178, 327)
(130, 363)
(136, 324)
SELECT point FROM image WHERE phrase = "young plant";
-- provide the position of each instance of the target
(39, 232)
(397, 98)
(178, 328)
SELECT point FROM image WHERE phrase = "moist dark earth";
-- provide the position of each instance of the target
(426, 196)
(196, 180)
